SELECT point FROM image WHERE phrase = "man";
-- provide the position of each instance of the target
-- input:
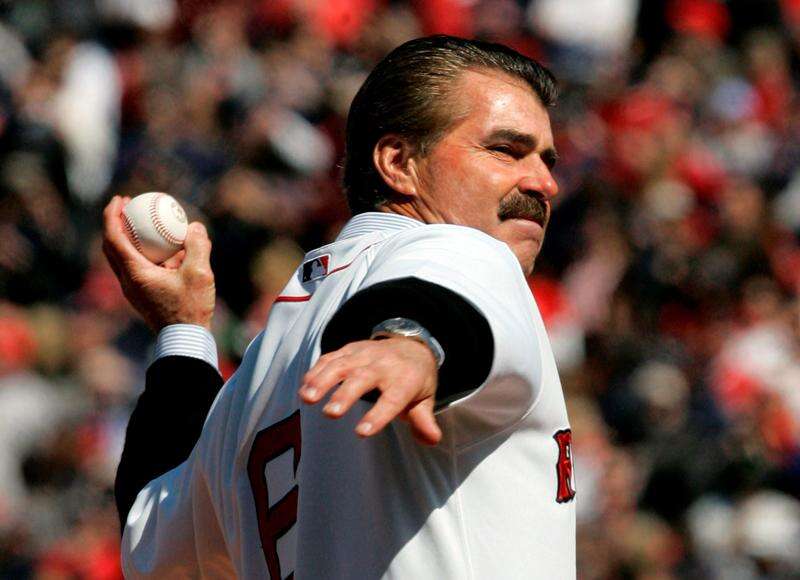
(448, 173)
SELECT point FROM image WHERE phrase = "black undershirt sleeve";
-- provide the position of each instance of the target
(165, 424)
(463, 332)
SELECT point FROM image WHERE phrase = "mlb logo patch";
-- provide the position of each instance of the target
(316, 268)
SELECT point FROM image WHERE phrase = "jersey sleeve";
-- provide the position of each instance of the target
(486, 273)
(173, 528)
(460, 330)
(158, 540)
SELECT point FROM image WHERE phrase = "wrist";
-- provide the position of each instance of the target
(194, 314)
(407, 328)
(157, 324)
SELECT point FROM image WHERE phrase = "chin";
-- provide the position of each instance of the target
(527, 258)
(527, 267)
(524, 238)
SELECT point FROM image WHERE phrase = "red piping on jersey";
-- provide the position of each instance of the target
(293, 298)
(307, 297)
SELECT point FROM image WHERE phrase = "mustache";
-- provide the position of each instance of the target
(523, 207)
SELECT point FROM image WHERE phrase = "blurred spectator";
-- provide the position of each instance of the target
(86, 115)
(586, 36)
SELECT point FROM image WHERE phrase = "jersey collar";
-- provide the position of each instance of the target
(373, 221)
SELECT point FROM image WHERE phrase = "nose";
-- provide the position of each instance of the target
(538, 179)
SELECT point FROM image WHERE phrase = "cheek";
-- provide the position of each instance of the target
(449, 178)
(488, 189)
(452, 169)
(471, 187)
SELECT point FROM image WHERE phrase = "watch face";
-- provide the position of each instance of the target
(405, 327)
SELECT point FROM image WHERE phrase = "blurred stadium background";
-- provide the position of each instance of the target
(669, 280)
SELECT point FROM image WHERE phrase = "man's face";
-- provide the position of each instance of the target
(492, 170)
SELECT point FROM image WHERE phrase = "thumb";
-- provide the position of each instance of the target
(197, 246)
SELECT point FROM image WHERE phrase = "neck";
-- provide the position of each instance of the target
(413, 211)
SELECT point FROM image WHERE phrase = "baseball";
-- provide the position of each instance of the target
(156, 224)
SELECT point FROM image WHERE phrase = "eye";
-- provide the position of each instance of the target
(550, 159)
(504, 149)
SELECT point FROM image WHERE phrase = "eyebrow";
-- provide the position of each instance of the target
(513, 136)
(549, 155)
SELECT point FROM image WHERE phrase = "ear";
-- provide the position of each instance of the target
(392, 157)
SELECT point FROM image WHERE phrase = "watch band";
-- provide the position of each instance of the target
(412, 329)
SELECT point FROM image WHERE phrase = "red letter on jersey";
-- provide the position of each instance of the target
(274, 522)
(566, 489)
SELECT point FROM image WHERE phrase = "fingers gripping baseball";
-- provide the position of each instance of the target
(196, 265)
(403, 370)
(179, 291)
(118, 248)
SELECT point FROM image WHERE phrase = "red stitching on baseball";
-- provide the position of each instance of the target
(159, 225)
(134, 237)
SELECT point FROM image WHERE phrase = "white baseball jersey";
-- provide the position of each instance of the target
(275, 488)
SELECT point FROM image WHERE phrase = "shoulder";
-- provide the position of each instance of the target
(459, 258)
(451, 242)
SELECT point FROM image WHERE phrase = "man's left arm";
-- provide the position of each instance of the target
(467, 290)
(449, 330)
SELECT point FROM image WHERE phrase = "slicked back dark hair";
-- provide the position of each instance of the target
(409, 94)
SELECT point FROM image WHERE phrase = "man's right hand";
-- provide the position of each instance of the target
(181, 290)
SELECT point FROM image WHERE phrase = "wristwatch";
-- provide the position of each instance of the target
(409, 329)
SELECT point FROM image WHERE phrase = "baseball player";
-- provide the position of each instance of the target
(401, 415)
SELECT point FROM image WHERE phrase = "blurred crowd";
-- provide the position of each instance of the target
(669, 281)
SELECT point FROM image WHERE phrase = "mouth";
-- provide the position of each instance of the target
(524, 207)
